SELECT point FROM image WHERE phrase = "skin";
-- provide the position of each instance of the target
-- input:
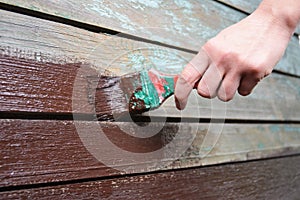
(240, 55)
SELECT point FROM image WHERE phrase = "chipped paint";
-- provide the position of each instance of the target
(148, 3)
(188, 7)
(105, 11)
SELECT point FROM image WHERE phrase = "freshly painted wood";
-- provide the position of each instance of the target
(54, 53)
(31, 86)
(267, 179)
(185, 24)
(42, 151)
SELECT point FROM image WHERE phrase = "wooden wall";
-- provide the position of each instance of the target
(57, 143)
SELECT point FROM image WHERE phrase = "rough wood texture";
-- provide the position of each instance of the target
(268, 179)
(41, 151)
(58, 51)
(31, 86)
(183, 24)
(246, 6)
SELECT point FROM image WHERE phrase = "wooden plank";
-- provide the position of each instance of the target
(42, 151)
(248, 7)
(51, 53)
(31, 86)
(183, 24)
(268, 179)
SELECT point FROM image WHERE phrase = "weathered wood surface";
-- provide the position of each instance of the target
(41, 151)
(183, 24)
(54, 53)
(268, 179)
(246, 6)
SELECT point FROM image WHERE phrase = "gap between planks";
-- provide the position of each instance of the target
(267, 179)
(86, 26)
(65, 150)
(98, 28)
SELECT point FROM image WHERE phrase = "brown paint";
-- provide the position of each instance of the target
(42, 87)
(39, 87)
(32, 86)
(267, 179)
(136, 106)
(38, 151)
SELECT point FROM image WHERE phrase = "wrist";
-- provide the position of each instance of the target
(285, 14)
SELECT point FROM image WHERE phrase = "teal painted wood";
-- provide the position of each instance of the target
(246, 6)
(184, 24)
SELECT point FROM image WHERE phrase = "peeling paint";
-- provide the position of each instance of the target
(188, 7)
(148, 3)
(105, 11)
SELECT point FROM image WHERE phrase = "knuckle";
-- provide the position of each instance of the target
(188, 75)
(254, 70)
(227, 59)
(268, 72)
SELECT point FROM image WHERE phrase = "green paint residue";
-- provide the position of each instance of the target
(169, 88)
(261, 146)
(148, 93)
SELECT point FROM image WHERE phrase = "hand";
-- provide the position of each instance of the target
(235, 60)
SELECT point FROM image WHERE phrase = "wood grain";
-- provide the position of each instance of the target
(37, 87)
(268, 179)
(246, 6)
(51, 53)
(178, 23)
(43, 151)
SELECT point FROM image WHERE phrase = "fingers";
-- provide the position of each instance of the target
(182, 92)
(246, 85)
(222, 81)
(209, 84)
(229, 87)
(192, 72)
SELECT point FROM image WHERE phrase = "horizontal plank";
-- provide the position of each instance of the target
(246, 6)
(183, 24)
(267, 179)
(40, 62)
(36, 87)
(42, 151)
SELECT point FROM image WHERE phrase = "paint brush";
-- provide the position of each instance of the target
(155, 89)
(134, 93)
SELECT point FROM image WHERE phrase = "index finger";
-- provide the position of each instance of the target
(192, 72)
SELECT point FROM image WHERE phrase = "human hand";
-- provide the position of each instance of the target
(235, 60)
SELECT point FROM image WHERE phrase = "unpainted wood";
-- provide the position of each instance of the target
(267, 179)
(40, 64)
(42, 151)
(246, 6)
(185, 24)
